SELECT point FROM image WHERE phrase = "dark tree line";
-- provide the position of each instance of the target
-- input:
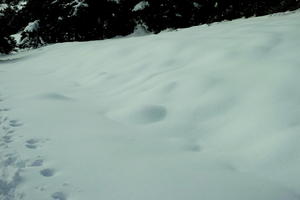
(52, 21)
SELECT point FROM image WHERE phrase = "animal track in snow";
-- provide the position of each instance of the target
(4, 119)
(10, 160)
(30, 146)
(37, 163)
(32, 143)
(10, 131)
(15, 123)
(7, 138)
(59, 196)
(48, 172)
(12, 165)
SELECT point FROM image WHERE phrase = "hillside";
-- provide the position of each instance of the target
(208, 112)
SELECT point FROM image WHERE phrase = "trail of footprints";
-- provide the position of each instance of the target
(9, 159)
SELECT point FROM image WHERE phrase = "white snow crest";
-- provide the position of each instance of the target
(21, 5)
(32, 26)
(77, 5)
(196, 5)
(3, 6)
(140, 6)
(140, 30)
(116, 1)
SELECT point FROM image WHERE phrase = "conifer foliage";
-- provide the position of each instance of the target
(51, 21)
(7, 43)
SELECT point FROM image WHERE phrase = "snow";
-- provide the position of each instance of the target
(116, 1)
(139, 30)
(140, 6)
(32, 26)
(196, 5)
(77, 5)
(17, 7)
(208, 112)
(3, 6)
(17, 37)
(21, 5)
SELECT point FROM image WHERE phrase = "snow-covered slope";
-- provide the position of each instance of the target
(209, 112)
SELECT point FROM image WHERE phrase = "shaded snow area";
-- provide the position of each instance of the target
(205, 113)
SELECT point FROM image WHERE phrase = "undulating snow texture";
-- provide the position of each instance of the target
(209, 112)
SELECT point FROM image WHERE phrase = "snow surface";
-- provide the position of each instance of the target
(209, 112)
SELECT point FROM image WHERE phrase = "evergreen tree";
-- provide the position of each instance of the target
(30, 37)
(82, 20)
(7, 43)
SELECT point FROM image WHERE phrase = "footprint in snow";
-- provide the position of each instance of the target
(15, 123)
(5, 119)
(10, 160)
(7, 138)
(59, 196)
(37, 163)
(10, 131)
(48, 172)
(32, 143)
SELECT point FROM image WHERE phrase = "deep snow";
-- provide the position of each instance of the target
(208, 112)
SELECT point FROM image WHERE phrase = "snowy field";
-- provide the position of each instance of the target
(204, 113)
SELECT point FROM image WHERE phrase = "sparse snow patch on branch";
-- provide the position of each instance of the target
(3, 6)
(140, 6)
(77, 4)
(32, 26)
